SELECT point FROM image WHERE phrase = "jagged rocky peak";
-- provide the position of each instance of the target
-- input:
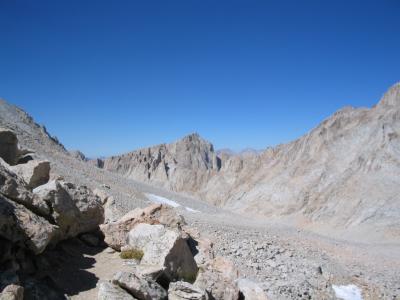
(195, 151)
(181, 165)
(391, 97)
(78, 155)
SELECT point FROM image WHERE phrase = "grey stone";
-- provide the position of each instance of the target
(218, 278)
(8, 146)
(34, 173)
(20, 225)
(74, 209)
(142, 288)
(181, 290)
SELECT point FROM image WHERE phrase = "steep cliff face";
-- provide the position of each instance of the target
(181, 166)
(344, 171)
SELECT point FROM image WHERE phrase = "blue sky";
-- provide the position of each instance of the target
(110, 76)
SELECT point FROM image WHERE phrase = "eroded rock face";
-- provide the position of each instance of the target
(142, 288)
(116, 232)
(34, 173)
(20, 225)
(74, 209)
(251, 290)
(181, 290)
(333, 174)
(181, 166)
(14, 188)
(165, 249)
(8, 146)
(102, 195)
(111, 212)
(202, 248)
(109, 291)
(218, 278)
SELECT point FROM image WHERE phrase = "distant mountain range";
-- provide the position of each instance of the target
(345, 172)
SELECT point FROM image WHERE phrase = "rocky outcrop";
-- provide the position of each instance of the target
(181, 166)
(218, 278)
(140, 287)
(74, 209)
(340, 173)
(116, 232)
(78, 155)
(166, 267)
(8, 146)
(165, 250)
(34, 172)
(21, 226)
(32, 221)
(15, 188)
(182, 290)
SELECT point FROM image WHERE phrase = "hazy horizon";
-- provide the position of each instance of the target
(107, 79)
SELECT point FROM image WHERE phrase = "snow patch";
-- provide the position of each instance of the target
(192, 210)
(162, 200)
(347, 292)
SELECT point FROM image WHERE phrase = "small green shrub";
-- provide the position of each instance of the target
(131, 254)
(188, 277)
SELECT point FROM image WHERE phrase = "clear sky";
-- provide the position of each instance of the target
(107, 77)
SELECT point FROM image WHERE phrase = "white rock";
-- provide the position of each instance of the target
(109, 291)
(165, 249)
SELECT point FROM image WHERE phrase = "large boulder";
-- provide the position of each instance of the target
(74, 210)
(20, 225)
(34, 172)
(218, 278)
(8, 146)
(182, 290)
(103, 195)
(115, 233)
(251, 290)
(109, 291)
(143, 288)
(89, 206)
(202, 248)
(14, 188)
(111, 211)
(164, 249)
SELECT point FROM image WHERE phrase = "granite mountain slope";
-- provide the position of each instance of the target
(344, 172)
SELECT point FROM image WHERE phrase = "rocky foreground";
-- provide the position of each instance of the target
(43, 222)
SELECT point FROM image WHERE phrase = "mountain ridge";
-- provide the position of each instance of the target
(334, 173)
(343, 173)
